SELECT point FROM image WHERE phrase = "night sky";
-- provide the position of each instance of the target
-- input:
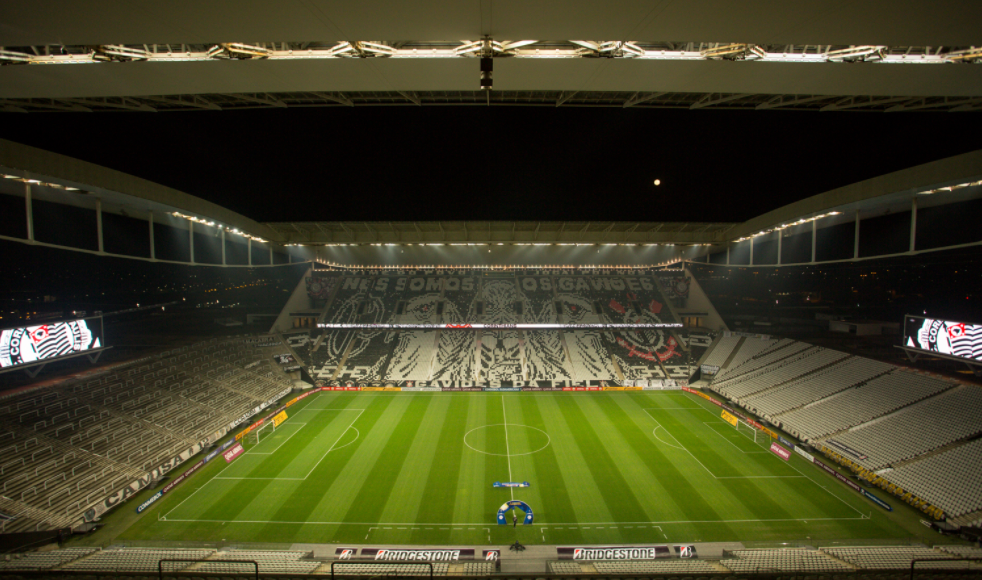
(500, 163)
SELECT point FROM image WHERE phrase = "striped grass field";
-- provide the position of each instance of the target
(418, 468)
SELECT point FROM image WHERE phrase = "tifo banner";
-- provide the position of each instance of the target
(319, 288)
(233, 453)
(780, 451)
(279, 418)
(517, 326)
(613, 553)
(729, 418)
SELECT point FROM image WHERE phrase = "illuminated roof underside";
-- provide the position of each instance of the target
(610, 73)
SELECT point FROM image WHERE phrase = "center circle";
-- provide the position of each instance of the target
(516, 439)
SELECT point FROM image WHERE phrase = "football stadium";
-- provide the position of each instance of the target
(353, 308)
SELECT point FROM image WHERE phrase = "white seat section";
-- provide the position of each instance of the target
(44, 560)
(917, 429)
(666, 566)
(721, 351)
(750, 351)
(949, 480)
(781, 372)
(138, 560)
(783, 560)
(91, 437)
(895, 557)
(847, 373)
(851, 407)
(783, 352)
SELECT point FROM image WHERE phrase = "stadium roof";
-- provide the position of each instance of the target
(880, 55)
(64, 180)
(542, 232)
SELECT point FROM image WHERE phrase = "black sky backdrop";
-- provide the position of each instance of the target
(500, 163)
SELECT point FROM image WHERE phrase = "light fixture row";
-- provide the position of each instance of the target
(631, 49)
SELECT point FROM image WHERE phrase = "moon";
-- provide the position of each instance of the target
(657, 182)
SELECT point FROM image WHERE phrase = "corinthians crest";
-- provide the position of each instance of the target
(34, 343)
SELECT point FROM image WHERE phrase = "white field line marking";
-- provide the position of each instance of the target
(360, 411)
(655, 433)
(379, 524)
(727, 439)
(682, 447)
(282, 443)
(507, 448)
(864, 516)
(243, 455)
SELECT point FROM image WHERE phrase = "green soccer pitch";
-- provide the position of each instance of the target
(418, 468)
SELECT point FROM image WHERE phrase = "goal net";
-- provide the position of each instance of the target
(749, 431)
(260, 434)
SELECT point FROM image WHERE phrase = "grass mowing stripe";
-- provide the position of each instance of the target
(695, 436)
(554, 497)
(404, 501)
(616, 491)
(686, 501)
(582, 488)
(228, 504)
(439, 491)
(470, 493)
(300, 504)
(369, 504)
(495, 461)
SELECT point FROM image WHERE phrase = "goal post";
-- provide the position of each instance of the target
(747, 429)
(257, 435)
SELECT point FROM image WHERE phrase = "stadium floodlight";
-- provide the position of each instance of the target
(377, 48)
(515, 44)
(950, 187)
(123, 52)
(13, 56)
(632, 49)
(246, 50)
(340, 49)
(733, 52)
(587, 44)
(968, 55)
(856, 53)
(468, 47)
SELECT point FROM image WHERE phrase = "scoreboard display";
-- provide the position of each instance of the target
(947, 337)
(34, 344)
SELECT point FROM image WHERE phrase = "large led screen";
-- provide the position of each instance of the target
(944, 336)
(31, 344)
